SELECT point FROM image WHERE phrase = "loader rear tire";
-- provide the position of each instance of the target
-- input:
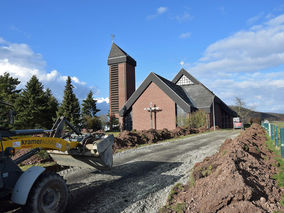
(49, 194)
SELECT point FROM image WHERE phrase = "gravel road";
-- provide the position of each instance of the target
(141, 178)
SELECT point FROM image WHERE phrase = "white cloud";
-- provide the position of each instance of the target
(254, 19)
(185, 35)
(255, 49)
(2, 41)
(276, 21)
(247, 64)
(21, 62)
(262, 93)
(101, 100)
(184, 17)
(160, 11)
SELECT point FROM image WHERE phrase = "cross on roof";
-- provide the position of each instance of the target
(112, 37)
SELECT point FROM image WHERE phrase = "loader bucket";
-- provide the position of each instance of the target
(97, 155)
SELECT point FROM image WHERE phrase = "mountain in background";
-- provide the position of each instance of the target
(262, 115)
(103, 107)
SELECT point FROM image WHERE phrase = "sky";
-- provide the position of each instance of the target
(234, 47)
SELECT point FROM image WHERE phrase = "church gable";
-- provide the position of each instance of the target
(184, 78)
(184, 81)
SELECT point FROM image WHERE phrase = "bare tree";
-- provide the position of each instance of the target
(242, 109)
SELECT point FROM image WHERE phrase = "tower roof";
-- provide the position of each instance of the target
(117, 55)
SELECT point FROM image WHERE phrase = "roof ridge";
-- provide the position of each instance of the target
(114, 47)
(177, 86)
(158, 80)
(187, 74)
(118, 55)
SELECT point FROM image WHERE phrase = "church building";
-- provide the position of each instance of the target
(158, 102)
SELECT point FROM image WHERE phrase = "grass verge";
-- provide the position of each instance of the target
(279, 177)
(280, 124)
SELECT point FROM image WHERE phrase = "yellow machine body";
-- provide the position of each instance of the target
(29, 142)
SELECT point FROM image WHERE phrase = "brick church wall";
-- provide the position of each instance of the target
(164, 119)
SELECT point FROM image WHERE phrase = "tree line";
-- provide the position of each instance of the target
(36, 107)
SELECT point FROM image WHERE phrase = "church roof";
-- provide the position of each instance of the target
(117, 55)
(199, 94)
(175, 92)
(184, 72)
(177, 89)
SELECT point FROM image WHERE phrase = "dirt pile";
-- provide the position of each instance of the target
(128, 139)
(239, 178)
(38, 158)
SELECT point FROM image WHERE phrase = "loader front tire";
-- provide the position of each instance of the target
(49, 194)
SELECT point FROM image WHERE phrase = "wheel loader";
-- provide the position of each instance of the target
(37, 189)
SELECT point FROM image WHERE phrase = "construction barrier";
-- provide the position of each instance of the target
(272, 131)
(276, 135)
(282, 141)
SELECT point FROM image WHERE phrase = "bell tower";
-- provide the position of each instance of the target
(121, 78)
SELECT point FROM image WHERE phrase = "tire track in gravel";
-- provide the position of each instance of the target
(141, 178)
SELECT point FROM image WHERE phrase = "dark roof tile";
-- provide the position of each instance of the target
(117, 55)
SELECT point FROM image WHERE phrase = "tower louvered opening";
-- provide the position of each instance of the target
(114, 88)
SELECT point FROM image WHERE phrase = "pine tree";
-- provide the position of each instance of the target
(8, 85)
(89, 106)
(31, 106)
(51, 109)
(70, 107)
(8, 94)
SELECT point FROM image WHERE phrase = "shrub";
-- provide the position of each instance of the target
(93, 123)
(197, 119)
(183, 121)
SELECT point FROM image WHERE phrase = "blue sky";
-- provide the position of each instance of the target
(235, 48)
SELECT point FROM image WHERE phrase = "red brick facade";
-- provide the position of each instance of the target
(166, 118)
(126, 85)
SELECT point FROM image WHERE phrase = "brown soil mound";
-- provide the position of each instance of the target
(128, 139)
(131, 139)
(32, 160)
(150, 136)
(239, 178)
(165, 134)
(180, 131)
